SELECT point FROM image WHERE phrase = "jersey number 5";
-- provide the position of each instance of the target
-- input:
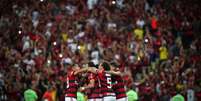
(109, 82)
(67, 82)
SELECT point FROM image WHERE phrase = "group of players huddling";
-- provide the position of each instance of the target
(104, 83)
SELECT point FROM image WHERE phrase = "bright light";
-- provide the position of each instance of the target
(41, 0)
(146, 40)
(19, 32)
(48, 61)
(60, 55)
(113, 2)
(54, 43)
(82, 88)
(138, 58)
(79, 47)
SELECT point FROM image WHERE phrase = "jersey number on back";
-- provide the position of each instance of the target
(67, 82)
(109, 81)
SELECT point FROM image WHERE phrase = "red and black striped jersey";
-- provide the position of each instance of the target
(71, 85)
(119, 87)
(106, 83)
(96, 90)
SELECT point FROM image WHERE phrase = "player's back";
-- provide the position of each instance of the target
(71, 85)
(96, 90)
(119, 87)
(106, 86)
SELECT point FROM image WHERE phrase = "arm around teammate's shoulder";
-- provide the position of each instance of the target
(81, 70)
(93, 70)
(115, 73)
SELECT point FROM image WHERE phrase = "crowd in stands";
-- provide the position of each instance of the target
(157, 42)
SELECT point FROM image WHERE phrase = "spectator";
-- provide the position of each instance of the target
(157, 37)
(132, 95)
(163, 53)
(190, 95)
(30, 94)
(178, 97)
(91, 4)
(47, 96)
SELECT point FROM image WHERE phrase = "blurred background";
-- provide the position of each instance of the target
(156, 42)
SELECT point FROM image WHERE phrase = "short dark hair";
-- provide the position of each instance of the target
(96, 66)
(91, 64)
(106, 66)
(114, 64)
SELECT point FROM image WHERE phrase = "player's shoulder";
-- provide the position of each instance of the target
(100, 72)
(71, 73)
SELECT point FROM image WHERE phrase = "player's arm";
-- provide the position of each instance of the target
(92, 69)
(85, 69)
(115, 73)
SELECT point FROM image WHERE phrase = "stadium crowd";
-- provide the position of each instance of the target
(156, 42)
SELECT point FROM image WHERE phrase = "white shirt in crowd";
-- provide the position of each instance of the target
(29, 63)
(70, 9)
(67, 60)
(140, 23)
(190, 95)
(26, 43)
(91, 4)
(95, 54)
(120, 3)
(35, 15)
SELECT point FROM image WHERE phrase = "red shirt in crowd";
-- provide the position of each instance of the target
(47, 96)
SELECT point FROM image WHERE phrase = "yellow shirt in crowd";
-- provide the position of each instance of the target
(53, 93)
(163, 53)
(138, 33)
(64, 37)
